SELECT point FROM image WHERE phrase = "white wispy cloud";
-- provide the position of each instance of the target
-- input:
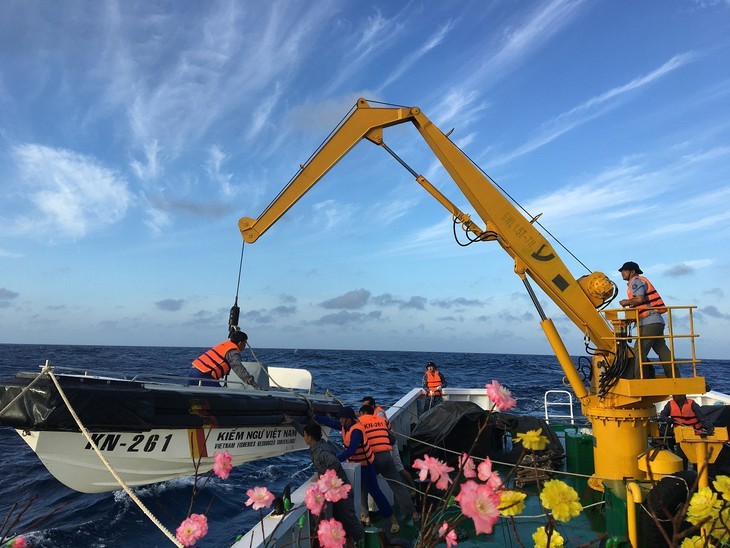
(71, 194)
(519, 43)
(378, 34)
(412, 58)
(590, 109)
(213, 167)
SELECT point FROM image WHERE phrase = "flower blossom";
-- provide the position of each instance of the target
(314, 499)
(722, 486)
(466, 463)
(561, 499)
(260, 497)
(330, 533)
(511, 503)
(500, 396)
(435, 469)
(533, 439)
(693, 542)
(540, 539)
(192, 530)
(704, 504)
(222, 464)
(449, 537)
(480, 503)
(332, 486)
(485, 473)
(17, 542)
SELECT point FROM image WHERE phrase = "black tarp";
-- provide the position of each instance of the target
(454, 425)
(128, 406)
(719, 415)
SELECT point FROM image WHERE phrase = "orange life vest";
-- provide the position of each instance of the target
(364, 454)
(684, 416)
(380, 412)
(652, 300)
(214, 360)
(433, 381)
(376, 432)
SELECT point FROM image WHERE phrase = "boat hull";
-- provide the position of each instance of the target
(142, 458)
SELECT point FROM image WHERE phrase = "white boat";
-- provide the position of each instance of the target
(155, 428)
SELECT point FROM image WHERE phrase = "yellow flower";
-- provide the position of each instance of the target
(511, 503)
(693, 542)
(540, 539)
(533, 439)
(561, 499)
(704, 504)
(718, 528)
(722, 486)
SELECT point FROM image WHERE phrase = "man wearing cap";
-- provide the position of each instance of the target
(432, 385)
(214, 364)
(649, 306)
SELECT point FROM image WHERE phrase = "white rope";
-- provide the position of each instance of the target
(113, 472)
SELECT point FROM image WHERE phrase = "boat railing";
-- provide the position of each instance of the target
(679, 335)
(562, 403)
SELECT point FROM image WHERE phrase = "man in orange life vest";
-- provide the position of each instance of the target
(378, 435)
(211, 366)
(358, 451)
(380, 412)
(643, 297)
(432, 385)
(685, 412)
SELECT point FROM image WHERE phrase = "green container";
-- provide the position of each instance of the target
(579, 449)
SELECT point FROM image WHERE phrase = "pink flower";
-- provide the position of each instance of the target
(485, 473)
(332, 486)
(466, 463)
(481, 504)
(19, 542)
(192, 530)
(260, 497)
(331, 533)
(222, 464)
(314, 499)
(450, 537)
(500, 396)
(202, 522)
(435, 469)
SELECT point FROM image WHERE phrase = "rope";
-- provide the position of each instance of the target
(113, 472)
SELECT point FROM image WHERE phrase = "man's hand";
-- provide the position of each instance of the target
(287, 419)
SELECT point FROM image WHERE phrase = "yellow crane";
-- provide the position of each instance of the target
(619, 408)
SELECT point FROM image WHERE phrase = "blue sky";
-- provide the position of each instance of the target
(133, 135)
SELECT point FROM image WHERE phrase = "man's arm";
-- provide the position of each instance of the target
(638, 290)
(706, 424)
(664, 414)
(328, 421)
(355, 442)
(233, 357)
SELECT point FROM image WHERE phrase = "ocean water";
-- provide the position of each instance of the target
(71, 519)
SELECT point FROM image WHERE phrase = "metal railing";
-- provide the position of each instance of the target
(624, 320)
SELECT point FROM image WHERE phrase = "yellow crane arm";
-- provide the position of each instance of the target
(532, 253)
